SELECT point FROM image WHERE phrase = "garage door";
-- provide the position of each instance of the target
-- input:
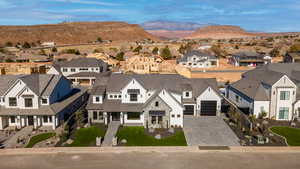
(208, 108)
(189, 110)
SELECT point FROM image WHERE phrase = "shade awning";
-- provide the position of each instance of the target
(157, 113)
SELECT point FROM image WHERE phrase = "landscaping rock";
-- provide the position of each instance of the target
(69, 141)
(115, 141)
(171, 130)
(158, 136)
(123, 141)
(293, 124)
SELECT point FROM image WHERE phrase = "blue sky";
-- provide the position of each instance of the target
(256, 15)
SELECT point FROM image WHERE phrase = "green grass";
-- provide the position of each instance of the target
(292, 135)
(38, 138)
(136, 136)
(87, 136)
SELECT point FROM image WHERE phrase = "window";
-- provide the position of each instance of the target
(178, 115)
(120, 96)
(45, 119)
(284, 95)
(97, 99)
(12, 119)
(133, 97)
(187, 94)
(115, 96)
(283, 113)
(133, 116)
(73, 70)
(173, 115)
(153, 119)
(44, 101)
(28, 102)
(95, 115)
(156, 104)
(83, 69)
(12, 101)
(65, 70)
(50, 119)
(237, 98)
(101, 116)
(111, 96)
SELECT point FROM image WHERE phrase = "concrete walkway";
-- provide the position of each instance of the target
(208, 131)
(110, 133)
(12, 142)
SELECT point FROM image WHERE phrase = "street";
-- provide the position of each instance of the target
(151, 160)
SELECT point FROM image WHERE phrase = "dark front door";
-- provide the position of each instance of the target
(30, 121)
(208, 108)
(115, 116)
(188, 110)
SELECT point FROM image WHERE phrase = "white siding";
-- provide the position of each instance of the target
(209, 95)
(134, 85)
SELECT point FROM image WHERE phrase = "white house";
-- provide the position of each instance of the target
(82, 71)
(197, 59)
(37, 100)
(273, 89)
(154, 100)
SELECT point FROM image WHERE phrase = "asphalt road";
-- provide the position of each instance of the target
(155, 160)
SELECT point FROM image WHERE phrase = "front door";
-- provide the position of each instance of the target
(30, 121)
(115, 116)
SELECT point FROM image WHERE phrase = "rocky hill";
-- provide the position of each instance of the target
(220, 32)
(74, 33)
(167, 34)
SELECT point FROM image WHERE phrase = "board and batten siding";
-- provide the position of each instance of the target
(209, 95)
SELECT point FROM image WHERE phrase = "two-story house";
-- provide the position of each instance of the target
(153, 100)
(249, 58)
(198, 59)
(272, 89)
(37, 100)
(81, 71)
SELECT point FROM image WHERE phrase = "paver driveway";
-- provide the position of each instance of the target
(208, 131)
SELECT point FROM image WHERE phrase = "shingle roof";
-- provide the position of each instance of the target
(198, 54)
(84, 62)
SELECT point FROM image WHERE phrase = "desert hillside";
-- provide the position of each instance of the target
(170, 34)
(75, 32)
(220, 32)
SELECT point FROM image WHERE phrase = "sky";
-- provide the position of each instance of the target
(253, 15)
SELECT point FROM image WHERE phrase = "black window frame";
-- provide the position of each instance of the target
(45, 119)
(43, 99)
(95, 115)
(133, 116)
(14, 103)
(156, 104)
(133, 97)
(13, 119)
(28, 104)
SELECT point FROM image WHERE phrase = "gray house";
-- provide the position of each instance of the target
(272, 89)
(249, 58)
(82, 71)
(153, 100)
(198, 59)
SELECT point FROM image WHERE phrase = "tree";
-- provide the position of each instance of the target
(166, 53)
(54, 50)
(99, 39)
(26, 45)
(275, 52)
(8, 44)
(295, 48)
(138, 49)
(120, 56)
(218, 51)
(155, 51)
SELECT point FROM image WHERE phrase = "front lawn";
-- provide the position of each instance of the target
(136, 136)
(292, 135)
(87, 136)
(38, 138)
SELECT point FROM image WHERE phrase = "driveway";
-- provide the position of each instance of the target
(208, 131)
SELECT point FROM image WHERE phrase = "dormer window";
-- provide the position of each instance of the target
(97, 99)
(187, 94)
(28, 102)
(44, 101)
(156, 104)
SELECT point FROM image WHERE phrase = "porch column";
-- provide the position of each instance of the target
(39, 121)
(1, 124)
(105, 118)
(53, 122)
(18, 122)
(23, 124)
(34, 122)
(56, 121)
(91, 82)
(122, 117)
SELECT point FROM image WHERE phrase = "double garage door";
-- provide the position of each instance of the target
(208, 108)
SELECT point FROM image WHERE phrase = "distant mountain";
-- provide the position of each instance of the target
(74, 32)
(220, 32)
(172, 26)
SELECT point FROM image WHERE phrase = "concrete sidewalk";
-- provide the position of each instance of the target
(110, 133)
(12, 142)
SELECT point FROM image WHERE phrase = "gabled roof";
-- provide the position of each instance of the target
(83, 62)
(197, 54)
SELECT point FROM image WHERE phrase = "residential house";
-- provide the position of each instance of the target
(37, 100)
(249, 58)
(152, 100)
(81, 71)
(292, 57)
(140, 64)
(105, 58)
(272, 89)
(198, 59)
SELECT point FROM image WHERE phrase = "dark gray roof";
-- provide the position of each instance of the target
(84, 62)
(40, 84)
(247, 54)
(98, 90)
(85, 74)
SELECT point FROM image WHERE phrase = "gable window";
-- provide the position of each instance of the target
(284, 95)
(156, 104)
(133, 97)
(283, 113)
(187, 94)
(28, 102)
(44, 101)
(12, 101)
(97, 99)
